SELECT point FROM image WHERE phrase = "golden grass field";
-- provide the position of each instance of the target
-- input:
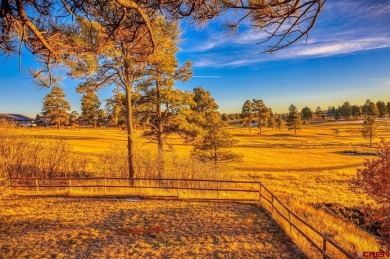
(305, 170)
(104, 228)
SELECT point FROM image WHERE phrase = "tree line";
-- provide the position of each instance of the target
(192, 115)
(256, 113)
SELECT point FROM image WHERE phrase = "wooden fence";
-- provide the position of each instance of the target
(183, 189)
(4, 186)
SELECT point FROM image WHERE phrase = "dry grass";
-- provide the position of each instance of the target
(100, 228)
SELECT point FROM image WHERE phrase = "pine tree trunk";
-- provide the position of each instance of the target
(215, 156)
(260, 124)
(160, 141)
(130, 133)
(370, 136)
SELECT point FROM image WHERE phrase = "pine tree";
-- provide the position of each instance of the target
(247, 114)
(356, 111)
(213, 143)
(280, 123)
(203, 102)
(90, 106)
(102, 117)
(262, 112)
(294, 121)
(306, 114)
(73, 118)
(319, 112)
(55, 107)
(116, 109)
(271, 122)
(369, 128)
(372, 110)
(158, 101)
(388, 108)
(381, 109)
(346, 110)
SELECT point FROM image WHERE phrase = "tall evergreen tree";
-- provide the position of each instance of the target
(262, 112)
(56, 107)
(388, 108)
(74, 117)
(306, 114)
(271, 123)
(204, 103)
(332, 111)
(369, 128)
(116, 109)
(280, 122)
(90, 106)
(247, 114)
(356, 111)
(158, 98)
(214, 141)
(293, 119)
(381, 109)
(346, 110)
(319, 112)
(102, 117)
(365, 108)
(372, 110)
(121, 60)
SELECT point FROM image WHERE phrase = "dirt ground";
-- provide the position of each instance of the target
(121, 228)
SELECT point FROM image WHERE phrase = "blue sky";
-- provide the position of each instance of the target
(346, 58)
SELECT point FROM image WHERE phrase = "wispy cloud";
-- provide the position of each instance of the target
(341, 47)
(247, 37)
(250, 37)
(345, 27)
(249, 56)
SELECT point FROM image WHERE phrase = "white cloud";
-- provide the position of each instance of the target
(250, 56)
(248, 37)
(341, 47)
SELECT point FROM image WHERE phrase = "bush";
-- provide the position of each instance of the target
(147, 164)
(22, 155)
(374, 179)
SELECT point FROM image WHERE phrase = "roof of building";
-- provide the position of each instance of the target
(15, 117)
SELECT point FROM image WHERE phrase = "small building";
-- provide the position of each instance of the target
(19, 119)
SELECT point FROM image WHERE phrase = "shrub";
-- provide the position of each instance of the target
(374, 179)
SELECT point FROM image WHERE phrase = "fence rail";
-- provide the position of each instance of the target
(188, 189)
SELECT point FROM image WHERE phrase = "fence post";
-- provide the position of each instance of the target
(260, 194)
(218, 190)
(177, 188)
(9, 185)
(36, 186)
(324, 247)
